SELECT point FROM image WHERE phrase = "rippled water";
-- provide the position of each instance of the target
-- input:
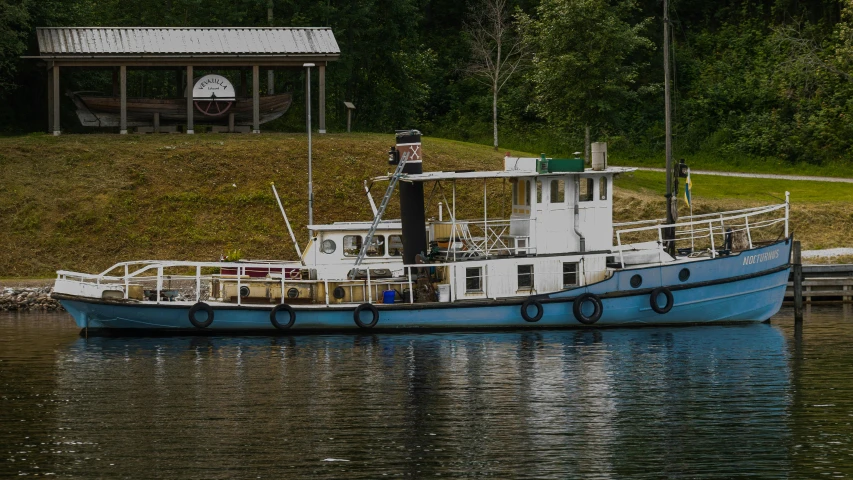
(692, 402)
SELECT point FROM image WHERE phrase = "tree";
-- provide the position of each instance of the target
(496, 49)
(14, 26)
(584, 68)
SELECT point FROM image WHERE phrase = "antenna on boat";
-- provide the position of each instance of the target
(287, 222)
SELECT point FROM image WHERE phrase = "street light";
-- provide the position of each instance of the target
(308, 127)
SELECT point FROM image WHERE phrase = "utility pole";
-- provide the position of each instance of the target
(670, 232)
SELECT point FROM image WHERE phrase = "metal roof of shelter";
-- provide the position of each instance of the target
(138, 45)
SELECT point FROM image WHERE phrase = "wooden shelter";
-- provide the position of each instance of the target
(268, 48)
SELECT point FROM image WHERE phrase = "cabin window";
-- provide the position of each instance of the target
(570, 274)
(376, 247)
(558, 191)
(538, 192)
(585, 189)
(515, 192)
(602, 188)
(352, 245)
(521, 193)
(525, 276)
(328, 246)
(473, 279)
(395, 245)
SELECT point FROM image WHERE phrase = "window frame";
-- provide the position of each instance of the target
(478, 277)
(392, 243)
(590, 187)
(602, 188)
(575, 274)
(530, 276)
(359, 243)
(556, 191)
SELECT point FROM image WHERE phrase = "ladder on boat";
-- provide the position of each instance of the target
(368, 239)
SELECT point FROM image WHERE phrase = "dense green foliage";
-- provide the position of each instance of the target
(768, 79)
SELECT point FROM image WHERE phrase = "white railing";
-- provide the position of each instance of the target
(480, 239)
(708, 226)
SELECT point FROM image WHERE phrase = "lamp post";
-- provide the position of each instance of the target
(308, 127)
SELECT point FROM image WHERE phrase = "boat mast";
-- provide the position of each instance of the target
(668, 120)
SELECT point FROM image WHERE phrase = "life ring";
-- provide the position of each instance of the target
(539, 310)
(201, 306)
(274, 313)
(653, 300)
(577, 308)
(357, 315)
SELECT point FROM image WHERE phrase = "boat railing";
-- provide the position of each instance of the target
(725, 225)
(475, 239)
(182, 281)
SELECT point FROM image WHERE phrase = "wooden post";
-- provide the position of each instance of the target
(322, 87)
(56, 130)
(190, 100)
(231, 122)
(256, 99)
(123, 92)
(50, 81)
(156, 122)
(798, 283)
(349, 119)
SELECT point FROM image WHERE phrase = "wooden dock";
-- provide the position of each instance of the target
(824, 284)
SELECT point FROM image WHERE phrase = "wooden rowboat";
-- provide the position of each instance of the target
(95, 110)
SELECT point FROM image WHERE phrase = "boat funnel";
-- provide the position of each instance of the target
(599, 155)
(412, 197)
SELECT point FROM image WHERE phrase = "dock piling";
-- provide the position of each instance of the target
(798, 283)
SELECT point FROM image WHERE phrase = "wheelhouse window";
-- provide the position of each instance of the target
(538, 192)
(558, 191)
(570, 275)
(376, 247)
(395, 245)
(602, 188)
(585, 192)
(525, 276)
(473, 279)
(521, 193)
(352, 245)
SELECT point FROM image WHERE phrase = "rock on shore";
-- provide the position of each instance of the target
(28, 299)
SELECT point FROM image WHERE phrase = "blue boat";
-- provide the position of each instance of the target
(557, 260)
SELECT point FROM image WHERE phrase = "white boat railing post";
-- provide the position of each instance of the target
(239, 286)
(159, 282)
(711, 236)
(452, 226)
(748, 233)
(787, 210)
(369, 289)
(660, 238)
(621, 250)
(411, 292)
(325, 288)
(282, 284)
(197, 283)
(126, 282)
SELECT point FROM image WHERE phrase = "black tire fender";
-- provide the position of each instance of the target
(577, 308)
(539, 310)
(291, 316)
(653, 300)
(201, 306)
(357, 315)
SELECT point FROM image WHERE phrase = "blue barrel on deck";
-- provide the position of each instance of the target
(388, 296)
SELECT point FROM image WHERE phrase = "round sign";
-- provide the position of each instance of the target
(214, 88)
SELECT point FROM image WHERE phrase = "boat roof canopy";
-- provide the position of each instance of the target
(474, 175)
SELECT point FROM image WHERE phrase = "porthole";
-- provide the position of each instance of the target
(328, 246)
(338, 292)
(684, 274)
(636, 281)
(244, 291)
(292, 293)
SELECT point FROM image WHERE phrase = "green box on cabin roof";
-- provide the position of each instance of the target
(556, 165)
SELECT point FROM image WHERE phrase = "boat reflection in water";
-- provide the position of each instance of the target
(710, 400)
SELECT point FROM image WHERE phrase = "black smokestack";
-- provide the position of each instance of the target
(412, 197)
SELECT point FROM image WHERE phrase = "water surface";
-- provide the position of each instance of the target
(757, 400)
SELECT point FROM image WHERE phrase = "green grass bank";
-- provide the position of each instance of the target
(84, 202)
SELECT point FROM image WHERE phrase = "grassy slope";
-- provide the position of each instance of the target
(83, 202)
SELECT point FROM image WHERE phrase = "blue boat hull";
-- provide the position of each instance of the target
(747, 287)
